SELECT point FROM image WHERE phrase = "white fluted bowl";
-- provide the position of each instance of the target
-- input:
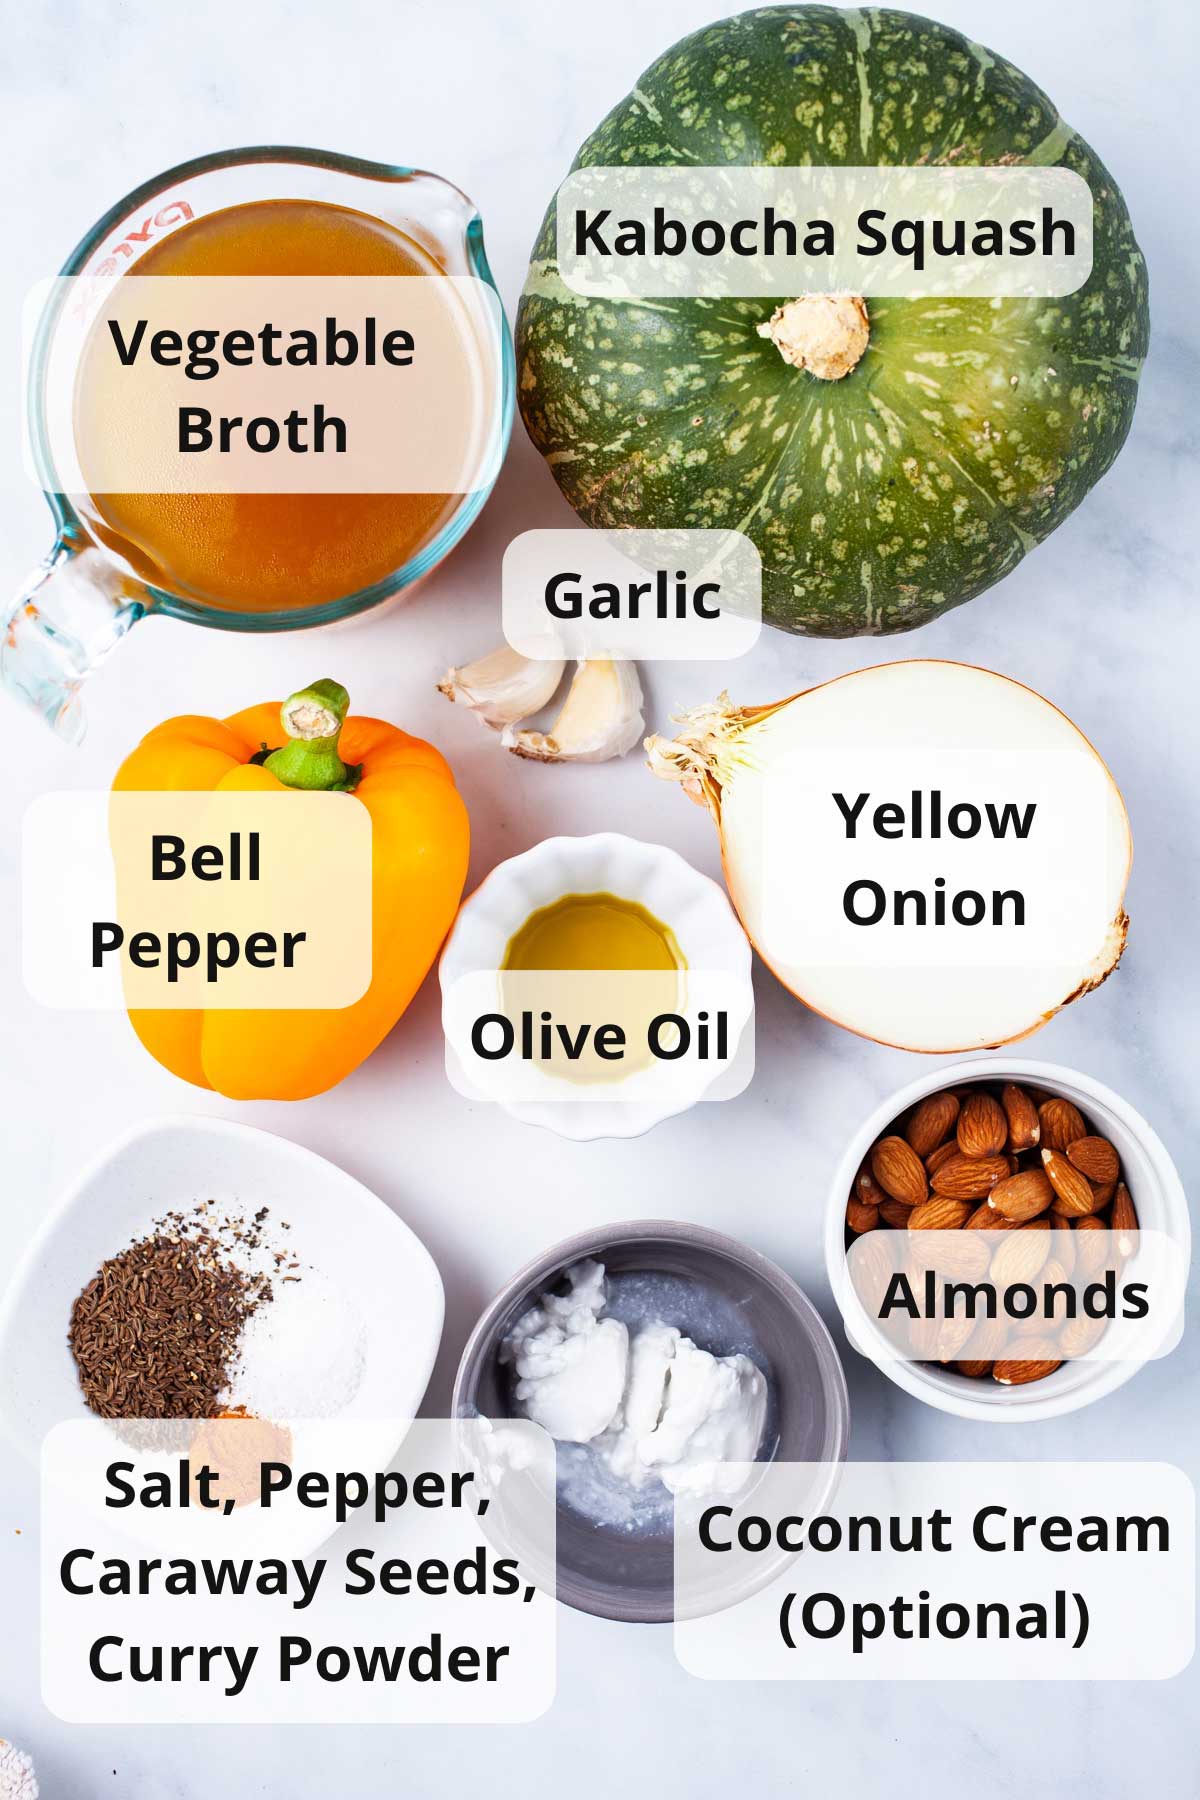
(694, 907)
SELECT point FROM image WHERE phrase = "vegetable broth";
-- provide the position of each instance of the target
(270, 552)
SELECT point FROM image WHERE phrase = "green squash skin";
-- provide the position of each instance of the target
(970, 428)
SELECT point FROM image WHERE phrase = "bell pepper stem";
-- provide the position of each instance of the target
(313, 721)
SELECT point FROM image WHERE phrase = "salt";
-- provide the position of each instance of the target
(301, 1354)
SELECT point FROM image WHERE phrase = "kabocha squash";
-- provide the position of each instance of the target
(419, 848)
(966, 430)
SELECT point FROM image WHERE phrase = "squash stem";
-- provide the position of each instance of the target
(313, 720)
(826, 334)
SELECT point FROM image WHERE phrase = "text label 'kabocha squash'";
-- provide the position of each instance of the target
(889, 456)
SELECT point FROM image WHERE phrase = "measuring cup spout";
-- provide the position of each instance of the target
(71, 612)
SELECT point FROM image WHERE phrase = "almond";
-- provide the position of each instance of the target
(1022, 1196)
(1073, 1193)
(859, 1216)
(953, 1254)
(985, 1218)
(1097, 1158)
(952, 1339)
(932, 1123)
(941, 1156)
(939, 1214)
(1021, 1255)
(983, 1346)
(1061, 1124)
(1034, 1326)
(1038, 1359)
(1055, 1304)
(982, 1126)
(899, 1171)
(1078, 1336)
(1124, 1219)
(895, 1215)
(1062, 1244)
(1024, 1126)
(867, 1188)
(923, 1337)
(1091, 1244)
(970, 1177)
(871, 1269)
(1104, 1194)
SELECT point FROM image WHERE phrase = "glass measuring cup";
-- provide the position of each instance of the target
(88, 592)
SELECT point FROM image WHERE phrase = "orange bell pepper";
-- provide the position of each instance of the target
(419, 841)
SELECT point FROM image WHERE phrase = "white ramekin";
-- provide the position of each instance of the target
(1153, 1183)
(695, 908)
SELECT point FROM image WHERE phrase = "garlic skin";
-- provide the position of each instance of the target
(503, 687)
(601, 718)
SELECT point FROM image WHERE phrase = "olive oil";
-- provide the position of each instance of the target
(593, 931)
(579, 934)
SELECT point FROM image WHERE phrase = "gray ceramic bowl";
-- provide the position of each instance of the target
(606, 1570)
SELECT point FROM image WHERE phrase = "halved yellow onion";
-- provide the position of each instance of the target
(738, 761)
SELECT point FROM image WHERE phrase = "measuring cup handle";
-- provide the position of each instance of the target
(71, 612)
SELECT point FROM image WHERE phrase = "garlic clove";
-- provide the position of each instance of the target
(17, 1779)
(601, 718)
(503, 687)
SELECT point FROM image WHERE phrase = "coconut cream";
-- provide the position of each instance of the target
(650, 1402)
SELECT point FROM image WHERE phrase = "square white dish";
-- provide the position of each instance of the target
(338, 1227)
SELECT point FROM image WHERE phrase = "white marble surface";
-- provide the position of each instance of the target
(97, 96)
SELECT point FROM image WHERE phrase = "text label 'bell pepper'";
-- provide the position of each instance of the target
(420, 840)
